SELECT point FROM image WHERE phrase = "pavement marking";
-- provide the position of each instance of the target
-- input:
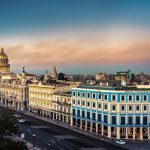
(40, 127)
(84, 148)
(65, 137)
(53, 141)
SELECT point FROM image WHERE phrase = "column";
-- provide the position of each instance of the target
(56, 116)
(50, 114)
(96, 127)
(133, 132)
(126, 132)
(102, 129)
(85, 125)
(60, 119)
(80, 124)
(67, 120)
(53, 116)
(141, 133)
(109, 131)
(148, 132)
(63, 118)
(118, 132)
(91, 126)
(71, 121)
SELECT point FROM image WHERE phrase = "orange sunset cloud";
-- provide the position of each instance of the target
(79, 52)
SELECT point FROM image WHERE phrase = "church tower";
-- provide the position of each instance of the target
(54, 73)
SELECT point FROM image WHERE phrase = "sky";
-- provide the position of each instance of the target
(78, 36)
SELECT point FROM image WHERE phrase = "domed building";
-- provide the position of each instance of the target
(4, 62)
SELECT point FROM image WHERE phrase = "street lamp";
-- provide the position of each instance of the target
(33, 135)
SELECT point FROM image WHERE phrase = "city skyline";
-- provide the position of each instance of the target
(77, 36)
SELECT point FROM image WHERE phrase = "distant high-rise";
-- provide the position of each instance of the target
(4, 62)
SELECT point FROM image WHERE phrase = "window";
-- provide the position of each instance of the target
(113, 97)
(122, 108)
(130, 97)
(99, 105)
(94, 95)
(105, 106)
(78, 102)
(78, 94)
(83, 94)
(74, 94)
(83, 103)
(93, 105)
(113, 107)
(130, 120)
(137, 108)
(88, 95)
(99, 96)
(122, 97)
(122, 120)
(88, 104)
(74, 112)
(137, 120)
(130, 108)
(145, 108)
(137, 97)
(144, 120)
(93, 116)
(113, 119)
(105, 97)
(88, 115)
(78, 113)
(74, 102)
(145, 97)
(105, 118)
(99, 117)
(83, 114)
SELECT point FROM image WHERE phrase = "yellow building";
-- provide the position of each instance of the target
(48, 101)
(4, 62)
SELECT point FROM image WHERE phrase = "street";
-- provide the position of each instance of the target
(48, 136)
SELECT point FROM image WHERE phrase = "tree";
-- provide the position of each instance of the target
(7, 122)
(7, 144)
(61, 76)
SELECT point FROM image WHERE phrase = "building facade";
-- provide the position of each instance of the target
(62, 107)
(14, 92)
(115, 113)
(48, 101)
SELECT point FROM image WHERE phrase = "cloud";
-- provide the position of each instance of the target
(79, 52)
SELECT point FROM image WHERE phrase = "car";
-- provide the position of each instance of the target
(122, 142)
(21, 120)
(17, 116)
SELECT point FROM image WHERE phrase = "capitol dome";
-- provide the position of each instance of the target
(4, 62)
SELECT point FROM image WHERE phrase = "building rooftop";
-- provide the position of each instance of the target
(128, 88)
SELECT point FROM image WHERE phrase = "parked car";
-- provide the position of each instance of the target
(120, 142)
(17, 116)
(21, 120)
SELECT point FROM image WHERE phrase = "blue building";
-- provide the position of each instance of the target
(117, 113)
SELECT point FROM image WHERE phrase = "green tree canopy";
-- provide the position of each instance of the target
(7, 122)
(7, 144)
